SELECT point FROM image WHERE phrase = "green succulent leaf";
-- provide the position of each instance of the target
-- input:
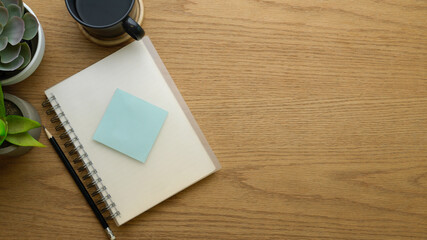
(31, 26)
(14, 10)
(12, 66)
(2, 108)
(23, 139)
(3, 43)
(18, 124)
(6, 3)
(17, 2)
(26, 54)
(3, 131)
(1, 3)
(1, 29)
(10, 53)
(14, 30)
(4, 15)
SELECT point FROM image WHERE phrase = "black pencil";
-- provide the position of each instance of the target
(79, 183)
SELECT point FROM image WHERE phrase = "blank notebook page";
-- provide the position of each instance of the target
(180, 156)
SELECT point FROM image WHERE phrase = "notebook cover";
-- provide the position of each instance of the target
(181, 155)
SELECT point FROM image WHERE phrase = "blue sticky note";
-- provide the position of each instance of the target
(130, 125)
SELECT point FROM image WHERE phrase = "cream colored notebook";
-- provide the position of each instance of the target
(180, 156)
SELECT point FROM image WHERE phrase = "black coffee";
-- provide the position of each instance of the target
(102, 12)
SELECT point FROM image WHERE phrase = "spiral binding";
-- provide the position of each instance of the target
(82, 157)
(79, 159)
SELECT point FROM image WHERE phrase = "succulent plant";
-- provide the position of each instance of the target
(16, 25)
(14, 129)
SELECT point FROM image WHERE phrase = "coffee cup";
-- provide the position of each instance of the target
(106, 18)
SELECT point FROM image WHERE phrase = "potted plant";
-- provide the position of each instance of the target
(19, 126)
(22, 42)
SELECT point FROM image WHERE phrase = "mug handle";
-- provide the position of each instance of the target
(133, 28)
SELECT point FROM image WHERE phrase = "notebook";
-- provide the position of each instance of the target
(180, 156)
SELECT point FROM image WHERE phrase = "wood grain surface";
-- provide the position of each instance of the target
(317, 111)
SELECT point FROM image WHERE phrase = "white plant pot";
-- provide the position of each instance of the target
(36, 58)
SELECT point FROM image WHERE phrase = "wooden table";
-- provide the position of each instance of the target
(317, 111)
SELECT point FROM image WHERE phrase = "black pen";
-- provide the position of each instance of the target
(80, 185)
